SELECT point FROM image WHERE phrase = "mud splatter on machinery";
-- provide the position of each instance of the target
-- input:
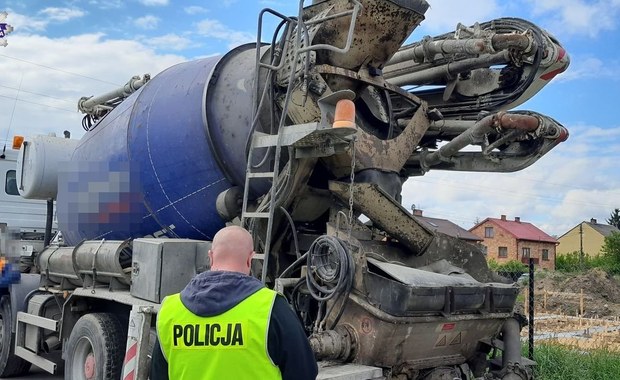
(307, 141)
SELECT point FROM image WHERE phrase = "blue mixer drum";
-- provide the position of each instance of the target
(155, 165)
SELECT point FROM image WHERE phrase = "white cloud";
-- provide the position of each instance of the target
(39, 23)
(579, 16)
(154, 3)
(169, 41)
(443, 16)
(48, 97)
(23, 23)
(597, 134)
(107, 4)
(61, 14)
(576, 181)
(590, 68)
(579, 205)
(215, 29)
(195, 9)
(147, 22)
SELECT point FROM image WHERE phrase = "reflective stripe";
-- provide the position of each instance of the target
(129, 366)
(230, 345)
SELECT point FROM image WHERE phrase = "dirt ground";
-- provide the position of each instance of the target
(559, 302)
(560, 293)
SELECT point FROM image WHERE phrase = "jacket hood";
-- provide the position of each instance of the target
(212, 293)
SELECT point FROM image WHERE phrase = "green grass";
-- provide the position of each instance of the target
(560, 363)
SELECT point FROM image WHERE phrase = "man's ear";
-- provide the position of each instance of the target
(210, 254)
(249, 263)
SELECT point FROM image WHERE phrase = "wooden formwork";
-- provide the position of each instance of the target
(574, 331)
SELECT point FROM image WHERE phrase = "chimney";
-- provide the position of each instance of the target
(593, 221)
(517, 219)
(503, 217)
(417, 212)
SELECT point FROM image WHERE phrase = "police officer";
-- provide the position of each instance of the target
(226, 325)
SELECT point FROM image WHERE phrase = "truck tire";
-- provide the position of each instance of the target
(149, 357)
(10, 365)
(96, 348)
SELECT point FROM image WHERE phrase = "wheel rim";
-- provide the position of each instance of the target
(89, 366)
(84, 363)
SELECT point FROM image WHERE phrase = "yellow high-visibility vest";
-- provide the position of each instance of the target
(232, 345)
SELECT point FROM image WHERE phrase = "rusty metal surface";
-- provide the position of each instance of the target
(335, 344)
(364, 77)
(381, 28)
(391, 155)
(487, 43)
(419, 277)
(291, 55)
(417, 342)
(387, 213)
(476, 134)
(459, 253)
(520, 140)
(371, 151)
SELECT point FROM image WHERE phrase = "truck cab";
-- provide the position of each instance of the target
(22, 221)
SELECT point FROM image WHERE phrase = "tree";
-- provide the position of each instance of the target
(614, 218)
(611, 252)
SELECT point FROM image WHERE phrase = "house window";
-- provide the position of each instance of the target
(488, 232)
(503, 252)
(545, 254)
(525, 253)
(10, 186)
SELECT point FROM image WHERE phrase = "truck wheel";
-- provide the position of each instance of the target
(149, 357)
(10, 365)
(95, 348)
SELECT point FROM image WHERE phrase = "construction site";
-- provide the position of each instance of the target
(578, 311)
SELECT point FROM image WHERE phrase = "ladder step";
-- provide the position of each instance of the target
(256, 215)
(261, 175)
(258, 256)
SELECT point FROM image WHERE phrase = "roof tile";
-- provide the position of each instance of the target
(523, 230)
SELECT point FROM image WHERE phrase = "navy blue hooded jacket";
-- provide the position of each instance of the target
(212, 293)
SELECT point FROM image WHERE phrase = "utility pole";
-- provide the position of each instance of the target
(581, 245)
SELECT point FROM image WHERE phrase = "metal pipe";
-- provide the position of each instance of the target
(406, 76)
(445, 126)
(474, 46)
(87, 105)
(512, 344)
(50, 343)
(49, 216)
(476, 134)
(337, 344)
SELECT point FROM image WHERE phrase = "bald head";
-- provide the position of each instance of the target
(232, 250)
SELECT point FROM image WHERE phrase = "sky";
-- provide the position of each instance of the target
(60, 51)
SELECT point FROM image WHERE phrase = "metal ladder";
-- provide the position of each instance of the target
(269, 215)
(273, 175)
(260, 140)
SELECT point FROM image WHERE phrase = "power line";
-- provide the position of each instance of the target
(504, 191)
(572, 186)
(38, 104)
(59, 70)
(38, 94)
(21, 79)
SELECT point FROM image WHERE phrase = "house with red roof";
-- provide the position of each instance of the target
(507, 240)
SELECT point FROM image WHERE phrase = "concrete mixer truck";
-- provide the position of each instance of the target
(305, 140)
